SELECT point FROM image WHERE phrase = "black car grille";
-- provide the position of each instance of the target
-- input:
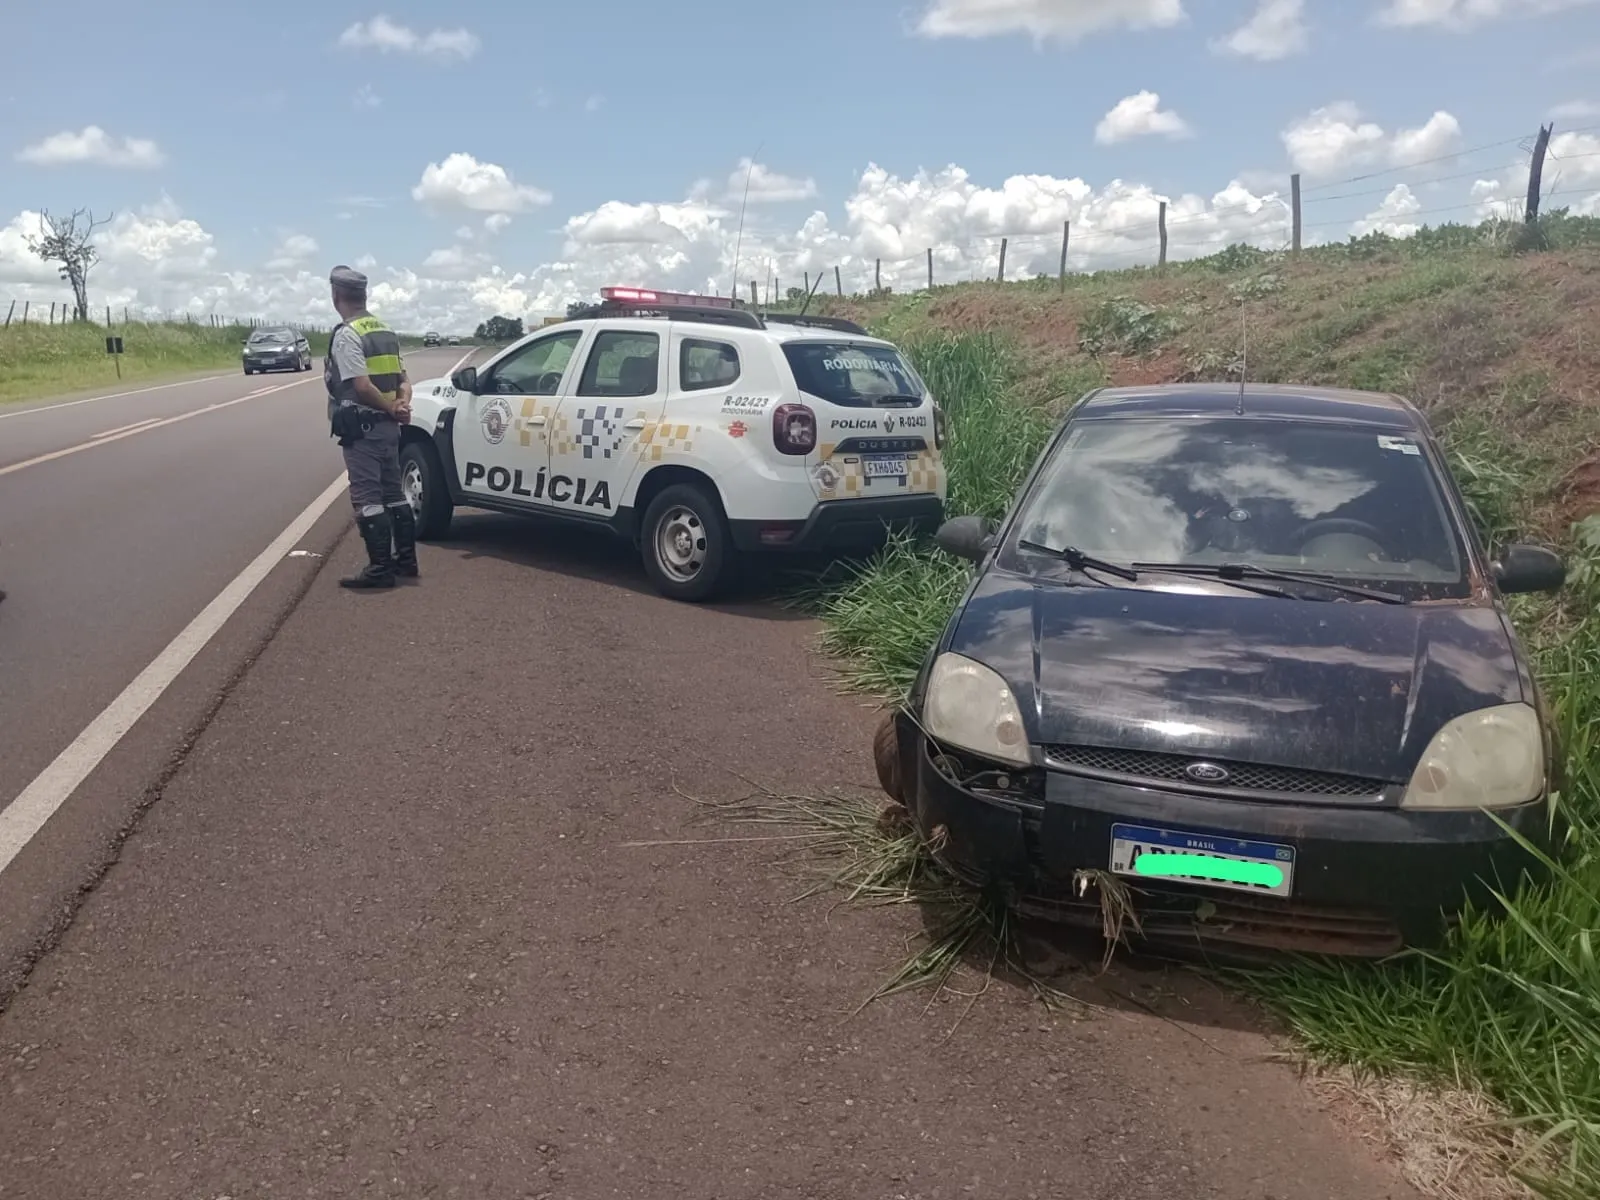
(1148, 767)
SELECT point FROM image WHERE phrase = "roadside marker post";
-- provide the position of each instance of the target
(114, 348)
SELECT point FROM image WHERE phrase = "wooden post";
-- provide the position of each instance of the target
(838, 284)
(1066, 233)
(1001, 275)
(1530, 213)
(1161, 219)
(755, 295)
(108, 316)
(877, 274)
(124, 314)
(777, 290)
(25, 304)
(1294, 203)
(808, 283)
(930, 268)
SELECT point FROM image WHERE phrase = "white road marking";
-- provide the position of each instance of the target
(461, 360)
(126, 428)
(28, 412)
(118, 435)
(41, 799)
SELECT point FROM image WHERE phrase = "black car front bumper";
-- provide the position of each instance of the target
(272, 362)
(843, 525)
(1367, 881)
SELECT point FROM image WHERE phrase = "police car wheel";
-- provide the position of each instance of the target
(422, 482)
(685, 544)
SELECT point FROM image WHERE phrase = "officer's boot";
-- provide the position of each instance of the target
(376, 532)
(404, 518)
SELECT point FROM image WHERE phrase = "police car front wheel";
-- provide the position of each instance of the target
(422, 482)
(685, 543)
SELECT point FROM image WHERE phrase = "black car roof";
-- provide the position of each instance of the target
(1345, 405)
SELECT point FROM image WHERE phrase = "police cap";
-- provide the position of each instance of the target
(348, 279)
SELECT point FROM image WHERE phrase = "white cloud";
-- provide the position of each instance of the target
(295, 249)
(1391, 215)
(1139, 115)
(465, 233)
(1336, 138)
(365, 97)
(456, 262)
(593, 103)
(1575, 110)
(767, 186)
(461, 181)
(1466, 14)
(1064, 20)
(93, 145)
(1276, 30)
(496, 222)
(389, 37)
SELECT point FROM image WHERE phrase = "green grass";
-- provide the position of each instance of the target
(1512, 1002)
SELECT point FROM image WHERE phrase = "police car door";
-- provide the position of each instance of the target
(615, 397)
(502, 434)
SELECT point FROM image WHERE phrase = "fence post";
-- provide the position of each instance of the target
(1530, 212)
(808, 283)
(877, 274)
(1066, 233)
(1161, 219)
(108, 316)
(1000, 276)
(25, 304)
(755, 294)
(930, 268)
(52, 312)
(1294, 202)
(838, 284)
(777, 290)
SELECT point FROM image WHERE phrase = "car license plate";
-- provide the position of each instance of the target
(884, 466)
(1208, 859)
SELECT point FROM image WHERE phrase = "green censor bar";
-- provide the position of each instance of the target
(1201, 866)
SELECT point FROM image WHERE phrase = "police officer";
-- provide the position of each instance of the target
(369, 398)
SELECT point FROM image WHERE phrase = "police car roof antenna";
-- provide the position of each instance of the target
(1244, 354)
(739, 240)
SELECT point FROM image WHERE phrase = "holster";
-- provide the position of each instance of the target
(348, 425)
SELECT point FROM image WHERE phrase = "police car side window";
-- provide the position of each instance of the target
(622, 363)
(703, 364)
(536, 369)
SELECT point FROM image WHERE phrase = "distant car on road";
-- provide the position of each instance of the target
(276, 348)
(1238, 659)
(455, 341)
(430, 339)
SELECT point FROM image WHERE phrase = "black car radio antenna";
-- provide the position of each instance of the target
(1244, 354)
(739, 240)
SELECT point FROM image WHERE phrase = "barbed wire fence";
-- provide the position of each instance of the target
(1277, 225)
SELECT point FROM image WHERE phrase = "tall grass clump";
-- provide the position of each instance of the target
(882, 618)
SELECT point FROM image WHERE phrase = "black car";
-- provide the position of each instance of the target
(276, 348)
(430, 339)
(1235, 660)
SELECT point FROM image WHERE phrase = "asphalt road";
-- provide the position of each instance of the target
(386, 929)
(121, 516)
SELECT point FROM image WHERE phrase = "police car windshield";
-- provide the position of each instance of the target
(852, 374)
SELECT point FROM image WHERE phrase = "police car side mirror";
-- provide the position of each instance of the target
(466, 380)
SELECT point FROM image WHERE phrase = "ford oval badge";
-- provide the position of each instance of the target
(1205, 772)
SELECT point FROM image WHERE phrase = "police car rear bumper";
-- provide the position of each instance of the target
(834, 525)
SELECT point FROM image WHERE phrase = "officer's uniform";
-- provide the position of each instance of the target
(370, 440)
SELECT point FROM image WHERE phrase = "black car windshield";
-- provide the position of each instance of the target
(852, 374)
(1358, 505)
(272, 337)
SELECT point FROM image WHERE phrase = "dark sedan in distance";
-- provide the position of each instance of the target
(1237, 659)
(276, 348)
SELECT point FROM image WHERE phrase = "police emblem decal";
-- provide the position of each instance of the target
(496, 420)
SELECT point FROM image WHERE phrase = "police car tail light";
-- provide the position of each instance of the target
(938, 427)
(794, 429)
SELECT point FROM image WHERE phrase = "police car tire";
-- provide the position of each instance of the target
(437, 508)
(719, 558)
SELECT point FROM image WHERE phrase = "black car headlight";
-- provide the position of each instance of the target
(970, 707)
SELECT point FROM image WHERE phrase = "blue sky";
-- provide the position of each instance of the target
(260, 132)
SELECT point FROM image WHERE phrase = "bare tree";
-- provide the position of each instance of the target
(68, 244)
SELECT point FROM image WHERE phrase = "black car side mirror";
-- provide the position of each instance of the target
(466, 380)
(1525, 568)
(968, 537)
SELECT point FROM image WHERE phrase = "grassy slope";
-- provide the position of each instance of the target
(46, 360)
(1501, 351)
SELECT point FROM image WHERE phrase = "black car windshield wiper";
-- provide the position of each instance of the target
(1079, 561)
(1244, 570)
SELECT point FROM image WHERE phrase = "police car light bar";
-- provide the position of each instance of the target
(642, 296)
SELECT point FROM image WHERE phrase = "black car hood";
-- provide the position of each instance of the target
(1349, 688)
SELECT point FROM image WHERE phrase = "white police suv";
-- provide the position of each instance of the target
(698, 428)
